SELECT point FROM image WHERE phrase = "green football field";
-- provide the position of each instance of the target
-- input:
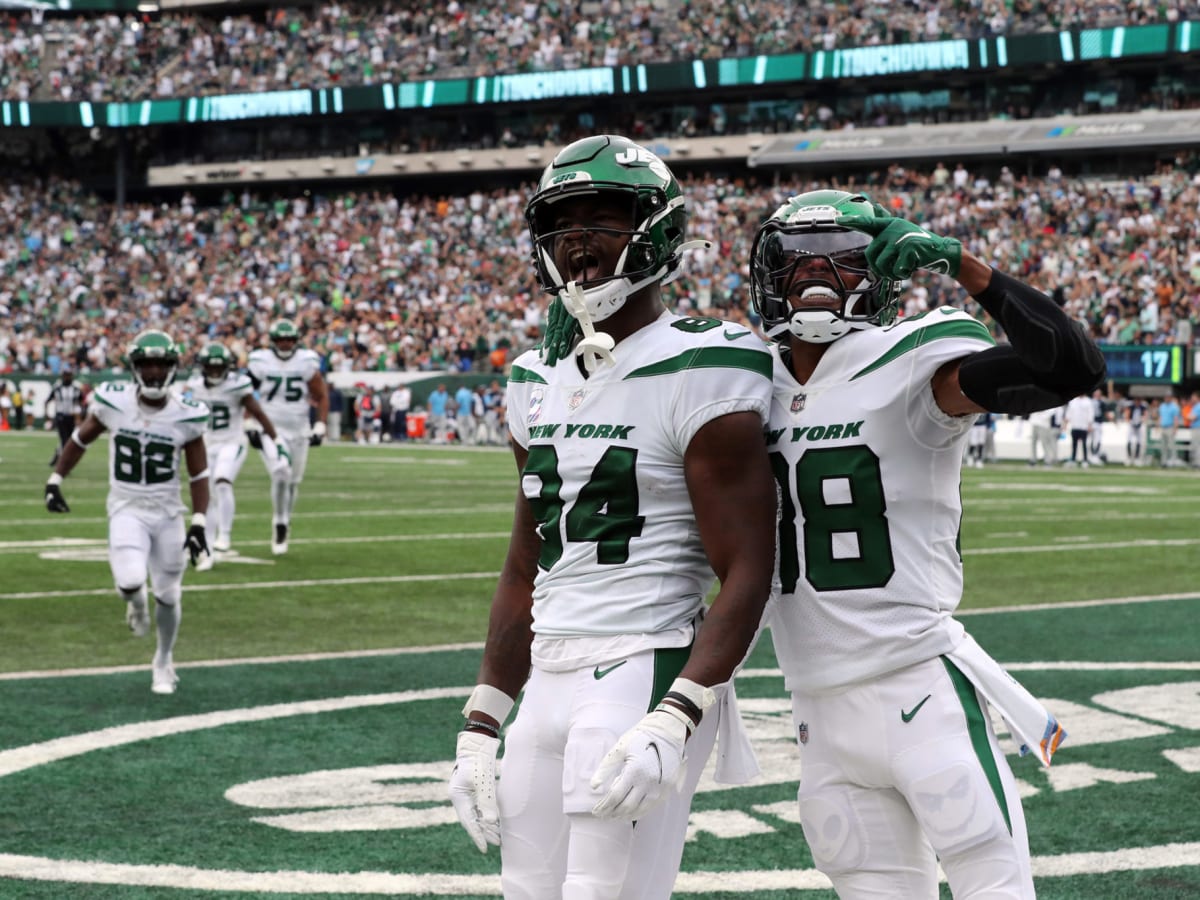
(306, 751)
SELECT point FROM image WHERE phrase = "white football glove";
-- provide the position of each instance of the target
(646, 763)
(473, 787)
(279, 461)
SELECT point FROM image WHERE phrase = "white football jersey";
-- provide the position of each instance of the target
(224, 402)
(283, 386)
(620, 551)
(869, 469)
(144, 445)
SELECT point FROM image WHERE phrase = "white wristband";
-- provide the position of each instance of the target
(54, 479)
(490, 701)
(199, 519)
(699, 695)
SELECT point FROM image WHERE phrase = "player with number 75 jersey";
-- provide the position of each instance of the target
(288, 380)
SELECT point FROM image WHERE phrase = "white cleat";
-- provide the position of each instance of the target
(222, 544)
(279, 545)
(163, 679)
(137, 617)
(205, 562)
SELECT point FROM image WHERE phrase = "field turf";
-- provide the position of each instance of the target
(306, 751)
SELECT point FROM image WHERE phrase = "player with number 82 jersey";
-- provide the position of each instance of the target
(144, 446)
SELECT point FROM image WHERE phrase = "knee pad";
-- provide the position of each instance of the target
(170, 596)
(129, 569)
(957, 809)
(834, 833)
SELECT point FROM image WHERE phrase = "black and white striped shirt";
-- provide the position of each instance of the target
(67, 399)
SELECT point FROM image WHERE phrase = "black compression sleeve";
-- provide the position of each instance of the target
(1055, 350)
(998, 380)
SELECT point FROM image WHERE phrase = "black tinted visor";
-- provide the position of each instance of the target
(845, 247)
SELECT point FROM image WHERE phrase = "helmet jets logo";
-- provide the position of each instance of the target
(640, 156)
(570, 176)
(813, 216)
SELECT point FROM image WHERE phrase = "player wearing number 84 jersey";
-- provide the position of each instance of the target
(643, 474)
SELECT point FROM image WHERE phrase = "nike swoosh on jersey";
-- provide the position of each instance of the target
(908, 716)
(735, 335)
(600, 673)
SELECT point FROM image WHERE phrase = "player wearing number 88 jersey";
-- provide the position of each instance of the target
(902, 769)
(228, 395)
(288, 380)
(150, 429)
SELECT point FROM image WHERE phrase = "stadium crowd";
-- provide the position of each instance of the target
(112, 56)
(380, 281)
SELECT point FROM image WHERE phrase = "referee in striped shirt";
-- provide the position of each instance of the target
(68, 408)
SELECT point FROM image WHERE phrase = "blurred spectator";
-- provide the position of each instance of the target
(384, 282)
(401, 403)
(337, 405)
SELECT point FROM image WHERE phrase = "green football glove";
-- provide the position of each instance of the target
(898, 247)
(562, 331)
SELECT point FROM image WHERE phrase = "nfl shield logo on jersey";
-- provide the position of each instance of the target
(802, 732)
(576, 399)
(798, 402)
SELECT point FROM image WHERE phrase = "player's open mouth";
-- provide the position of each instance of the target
(583, 266)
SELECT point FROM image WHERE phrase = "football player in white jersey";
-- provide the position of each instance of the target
(901, 767)
(149, 429)
(228, 395)
(288, 379)
(643, 472)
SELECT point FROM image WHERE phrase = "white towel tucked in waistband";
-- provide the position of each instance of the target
(736, 762)
(1033, 727)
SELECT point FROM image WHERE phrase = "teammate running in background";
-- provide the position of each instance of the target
(288, 379)
(228, 395)
(150, 428)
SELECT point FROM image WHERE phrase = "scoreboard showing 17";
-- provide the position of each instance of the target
(1164, 364)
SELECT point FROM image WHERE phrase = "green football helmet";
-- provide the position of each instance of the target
(152, 346)
(215, 363)
(284, 330)
(615, 167)
(800, 251)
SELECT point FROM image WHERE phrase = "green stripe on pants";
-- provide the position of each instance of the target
(977, 729)
(667, 666)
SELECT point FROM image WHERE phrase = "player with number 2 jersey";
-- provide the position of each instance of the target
(229, 395)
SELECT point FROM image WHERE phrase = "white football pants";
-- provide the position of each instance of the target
(899, 769)
(551, 846)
